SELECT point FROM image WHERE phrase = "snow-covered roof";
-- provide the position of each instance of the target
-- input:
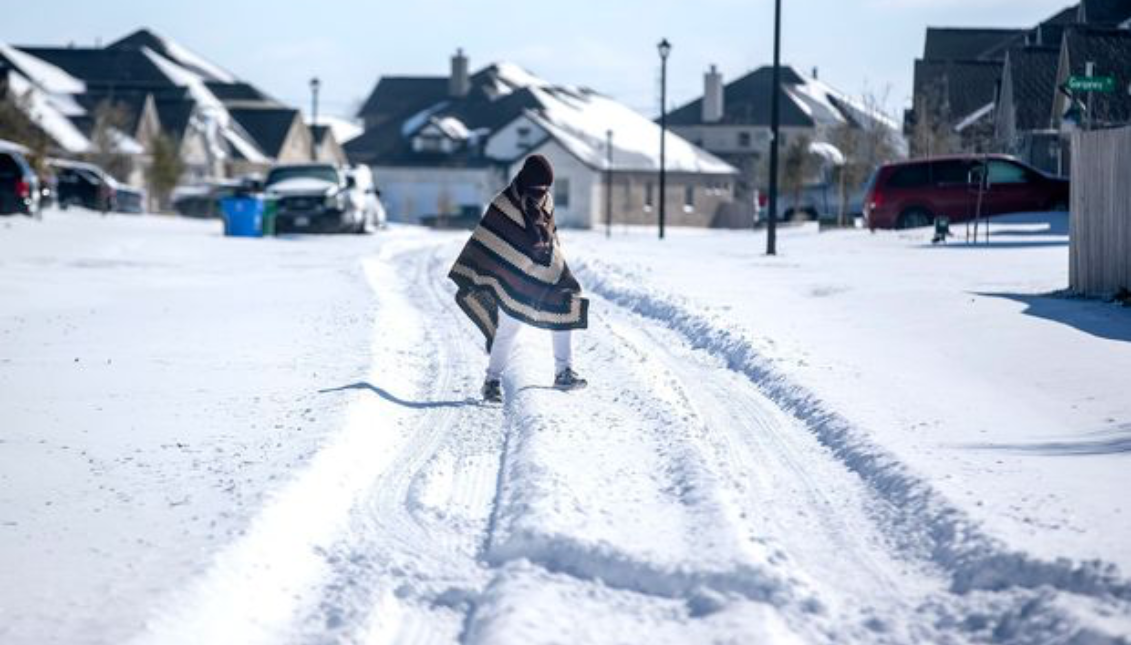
(579, 120)
(49, 112)
(828, 152)
(452, 127)
(829, 105)
(420, 119)
(344, 129)
(47, 76)
(176, 52)
(975, 116)
(214, 119)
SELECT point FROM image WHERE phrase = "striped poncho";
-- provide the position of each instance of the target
(498, 268)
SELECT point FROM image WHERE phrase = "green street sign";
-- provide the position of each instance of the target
(1091, 83)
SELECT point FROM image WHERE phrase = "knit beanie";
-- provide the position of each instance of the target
(536, 171)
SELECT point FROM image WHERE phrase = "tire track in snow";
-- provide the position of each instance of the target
(789, 491)
(408, 568)
(258, 588)
(1026, 598)
(604, 486)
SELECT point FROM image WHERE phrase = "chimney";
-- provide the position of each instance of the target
(459, 83)
(712, 96)
(814, 72)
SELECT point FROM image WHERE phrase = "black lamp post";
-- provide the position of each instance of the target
(314, 84)
(775, 91)
(665, 48)
(609, 183)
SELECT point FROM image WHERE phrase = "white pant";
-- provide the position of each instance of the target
(505, 336)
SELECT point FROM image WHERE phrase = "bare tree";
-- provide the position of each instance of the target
(110, 124)
(165, 169)
(17, 126)
(931, 131)
(798, 165)
(865, 145)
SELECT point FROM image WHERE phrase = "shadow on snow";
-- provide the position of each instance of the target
(1100, 319)
(392, 398)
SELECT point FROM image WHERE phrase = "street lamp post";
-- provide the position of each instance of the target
(314, 84)
(609, 184)
(665, 48)
(775, 91)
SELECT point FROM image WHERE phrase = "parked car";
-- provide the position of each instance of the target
(203, 200)
(19, 185)
(323, 198)
(913, 193)
(128, 199)
(816, 202)
(83, 184)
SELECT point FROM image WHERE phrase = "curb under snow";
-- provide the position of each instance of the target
(954, 542)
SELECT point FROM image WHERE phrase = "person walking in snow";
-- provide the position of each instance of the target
(511, 272)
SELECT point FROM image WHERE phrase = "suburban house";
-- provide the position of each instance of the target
(442, 146)
(327, 147)
(732, 120)
(148, 84)
(955, 88)
(1023, 121)
(1107, 52)
(995, 89)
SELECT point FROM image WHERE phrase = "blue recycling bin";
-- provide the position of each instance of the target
(243, 216)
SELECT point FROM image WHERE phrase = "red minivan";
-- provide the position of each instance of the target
(913, 193)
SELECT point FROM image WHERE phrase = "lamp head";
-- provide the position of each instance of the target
(665, 48)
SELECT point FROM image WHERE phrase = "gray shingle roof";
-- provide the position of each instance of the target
(963, 86)
(954, 43)
(1032, 74)
(267, 126)
(105, 68)
(1110, 50)
(746, 101)
(1106, 13)
(400, 96)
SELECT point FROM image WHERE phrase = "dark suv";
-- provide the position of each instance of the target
(913, 193)
(19, 187)
(83, 184)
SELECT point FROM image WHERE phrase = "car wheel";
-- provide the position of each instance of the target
(915, 218)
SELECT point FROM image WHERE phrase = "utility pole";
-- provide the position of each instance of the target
(609, 183)
(1089, 71)
(314, 84)
(665, 48)
(775, 91)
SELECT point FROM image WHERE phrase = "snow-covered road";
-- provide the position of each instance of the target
(693, 493)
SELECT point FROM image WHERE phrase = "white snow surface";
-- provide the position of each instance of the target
(864, 439)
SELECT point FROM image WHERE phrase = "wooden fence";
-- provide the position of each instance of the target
(1100, 224)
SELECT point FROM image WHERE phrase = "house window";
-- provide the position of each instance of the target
(648, 196)
(561, 192)
(429, 143)
(689, 198)
(744, 139)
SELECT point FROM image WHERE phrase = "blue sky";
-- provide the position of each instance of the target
(608, 45)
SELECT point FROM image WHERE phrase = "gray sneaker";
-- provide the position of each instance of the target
(492, 391)
(567, 379)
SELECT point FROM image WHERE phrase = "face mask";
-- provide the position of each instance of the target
(534, 196)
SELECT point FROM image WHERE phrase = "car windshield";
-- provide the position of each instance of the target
(325, 173)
